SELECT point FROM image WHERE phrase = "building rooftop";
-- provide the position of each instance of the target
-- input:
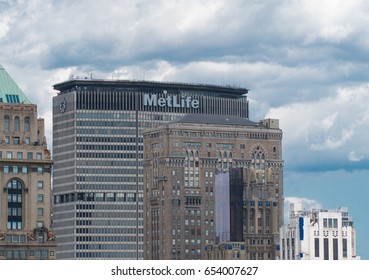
(216, 119)
(9, 90)
(88, 83)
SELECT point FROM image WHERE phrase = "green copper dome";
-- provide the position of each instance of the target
(9, 90)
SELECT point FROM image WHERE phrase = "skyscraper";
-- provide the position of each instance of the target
(210, 180)
(98, 152)
(25, 177)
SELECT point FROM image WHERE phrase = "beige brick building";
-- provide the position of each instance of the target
(25, 178)
(209, 180)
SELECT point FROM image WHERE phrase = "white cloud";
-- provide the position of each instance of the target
(306, 204)
(354, 157)
(327, 128)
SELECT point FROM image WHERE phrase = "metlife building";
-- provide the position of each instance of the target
(98, 150)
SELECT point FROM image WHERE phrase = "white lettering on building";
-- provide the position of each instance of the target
(171, 101)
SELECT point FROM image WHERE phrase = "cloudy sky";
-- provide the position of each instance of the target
(305, 62)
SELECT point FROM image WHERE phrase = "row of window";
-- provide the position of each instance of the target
(15, 169)
(97, 196)
(20, 155)
(23, 254)
(16, 123)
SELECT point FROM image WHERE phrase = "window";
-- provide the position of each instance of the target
(326, 249)
(15, 169)
(335, 248)
(40, 224)
(6, 169)
(6, 122)
(24, 169)
(7, 139)
(40, 198)
(9, 154)
(344, 247)
(41, 238)
(40, 211)
(38, 156)
(16, 123)
(26, 124)
(40, 184)
(28, 140)
(16, 141)
(40, 170)
(15, 204)
(29, 155)
(19, 155)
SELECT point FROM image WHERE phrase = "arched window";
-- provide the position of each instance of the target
(15, 204)
(26, 124)
(16, 123)
(6, 122)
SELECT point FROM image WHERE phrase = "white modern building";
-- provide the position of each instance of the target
(318, 235)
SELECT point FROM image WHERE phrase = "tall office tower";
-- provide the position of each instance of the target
(210, 180)
(25, 178)
(98, 151)
(318, 234)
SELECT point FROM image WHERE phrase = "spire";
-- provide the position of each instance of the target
(9, 90)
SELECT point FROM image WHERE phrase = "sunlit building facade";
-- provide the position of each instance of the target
(212, 184)
(318, 234)
(98, 150)
(25, 178)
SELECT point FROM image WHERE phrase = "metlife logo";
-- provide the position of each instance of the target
(174, 101)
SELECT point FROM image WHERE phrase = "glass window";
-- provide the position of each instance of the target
(45, 254)
(26, 124)
(16, 123)
(40, 170)
(7, 139)
(28, 140)
(40, 211)
(23, 238)
(6, 168)
(15, 204)
(15, 238)
(15, 169)
(6, 122)
(19, 155)
(9, 155)
(40, 184)
(16, 141)
(99, 197)
(38, 155)
(40, 224)
(29, 155)
(24, 169)
(40, 198)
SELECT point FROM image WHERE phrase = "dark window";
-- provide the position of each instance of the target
(6, 122)
(16, 123)
(326, 249)
(316, 247)
(26, 124)
(15, 204)
(335, 248)
(344, 247)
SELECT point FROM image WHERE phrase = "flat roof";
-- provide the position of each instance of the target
(215, 119)
(68, 85)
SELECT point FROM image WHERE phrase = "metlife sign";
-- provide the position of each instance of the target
(174, 101)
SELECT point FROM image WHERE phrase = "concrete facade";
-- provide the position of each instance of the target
(25, 178)
(318, 234)
(181, 163)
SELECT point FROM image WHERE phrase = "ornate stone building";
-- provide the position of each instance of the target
(211, 181)
(25, 178)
